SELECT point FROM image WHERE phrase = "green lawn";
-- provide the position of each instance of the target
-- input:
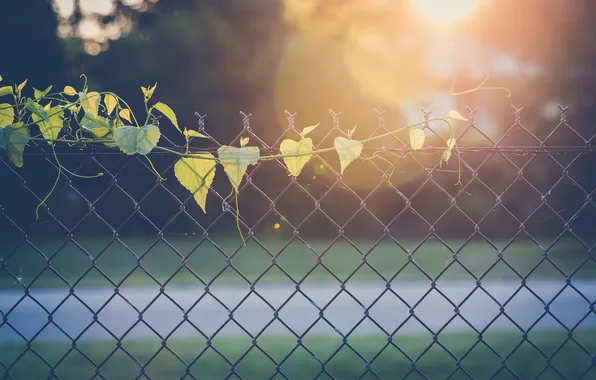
(568, 359)
(297, 260)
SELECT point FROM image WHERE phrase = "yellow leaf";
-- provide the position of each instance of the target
(47, 107)
(90, 103)
(308, 130)
(68, 90)
(110, 101)
(296, 164)
(169, 113)
(21, 86)
(125, 114)
(348, 150)
(351, 131)
(6, 90)
(6, 115)
(196, 175)
(236, 160)
(50, 129)
(417, 137)
(0, 78)
(456, 116)
(447, 153)
(188, 134)
(244, 141)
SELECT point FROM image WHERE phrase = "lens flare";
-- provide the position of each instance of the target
(446, 11)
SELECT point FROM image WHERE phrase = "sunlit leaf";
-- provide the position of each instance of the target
(148, 92)
(37, 110)
(189, 134)
(456, 116)
(90, 102)
(99, 127)
(21, 86)
(296, 164)
(50, 128)
(125, 114)
(447, 153)
(40, 94)
(6, 114)
(169, 113)
(351, 132)
(47, 107)
(236, 160)
(6, 90)
(1, 78)
(110, 102)
(68, 90)
(196, 175)
(133, 140)
(308, 130)
(244, 141)
(417, 137)
(348, 150)
(13, 139)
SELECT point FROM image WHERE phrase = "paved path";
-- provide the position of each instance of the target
(341, 312)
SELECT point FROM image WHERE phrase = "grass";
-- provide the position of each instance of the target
(526, 359)
(387, 258)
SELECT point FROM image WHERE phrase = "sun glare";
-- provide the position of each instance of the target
(446, 11)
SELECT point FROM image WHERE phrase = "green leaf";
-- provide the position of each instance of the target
(90, 102)
(417, 137)
(456, 116)
(13, 139)
(133, 140)
(236, 160)
(169, 113)
(4, 136)
(36, 109)
(189, 134)
(196, 175)
(99, 127)
(52, 127)
(6, 90)
(6, 114)
(110, 102)
(348, 150)
(296, 164)
(40, 94)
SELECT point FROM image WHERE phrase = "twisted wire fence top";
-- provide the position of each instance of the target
(500, 239)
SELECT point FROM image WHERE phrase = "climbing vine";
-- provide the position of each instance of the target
(83, 117)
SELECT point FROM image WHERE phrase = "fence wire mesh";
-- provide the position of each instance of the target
(392, 270)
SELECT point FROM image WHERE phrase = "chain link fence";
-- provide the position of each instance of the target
(401, 268)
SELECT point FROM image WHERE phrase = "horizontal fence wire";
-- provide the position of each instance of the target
(401, 267)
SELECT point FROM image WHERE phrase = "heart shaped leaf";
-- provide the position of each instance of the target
(90, 102)
(289, 147)
(51, 127)
(196, 175)
(133, 140)
(348, 150)
(14, 138)
(6, 115)
(417, 137)
(236, 160)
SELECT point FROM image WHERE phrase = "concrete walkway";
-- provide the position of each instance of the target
(297, 309)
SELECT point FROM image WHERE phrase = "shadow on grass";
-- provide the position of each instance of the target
(181, 260)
